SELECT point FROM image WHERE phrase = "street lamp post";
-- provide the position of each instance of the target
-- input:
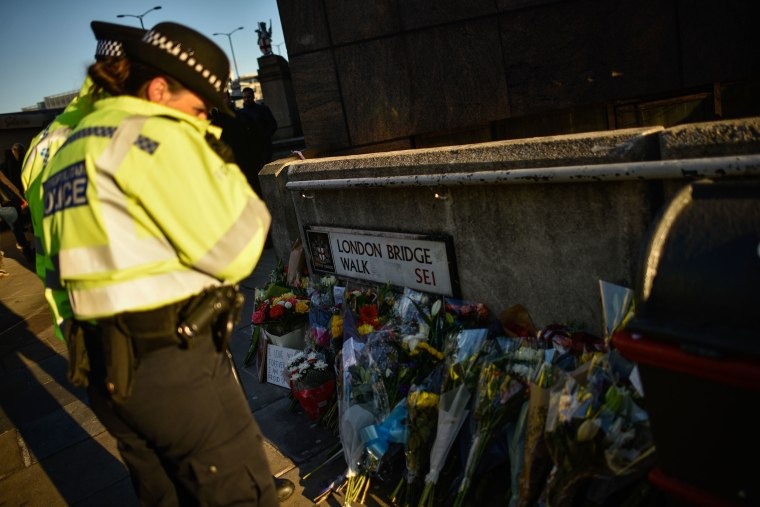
(234, 62)
(139, 16)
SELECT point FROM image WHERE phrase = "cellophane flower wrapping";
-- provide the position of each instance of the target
(422, 423)
(325, 302)
(464, 349)
(498, 400)
(539, 359)
(362, 403)
(595, 428)
(357, 404)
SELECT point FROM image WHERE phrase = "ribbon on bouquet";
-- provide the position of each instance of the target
(378, 438)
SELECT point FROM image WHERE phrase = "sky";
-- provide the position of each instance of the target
(46, 45)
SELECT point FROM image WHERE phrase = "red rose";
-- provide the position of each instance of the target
(276, 312)
(368, 314)
(258, 317)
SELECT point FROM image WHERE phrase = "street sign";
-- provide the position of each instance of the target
(419, 261)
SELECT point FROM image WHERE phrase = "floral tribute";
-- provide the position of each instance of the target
(455, 406)
(281, 314)
(279, 309)
(326, 302)
(312, 382)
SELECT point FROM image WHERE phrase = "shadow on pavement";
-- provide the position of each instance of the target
(57, 436)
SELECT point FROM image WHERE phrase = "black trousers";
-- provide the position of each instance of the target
(186, 432)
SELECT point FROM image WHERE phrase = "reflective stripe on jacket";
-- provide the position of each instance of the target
(41, 150)
(140, 212)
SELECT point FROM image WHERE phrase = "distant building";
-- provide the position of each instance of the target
(57, 101)
(252, 81)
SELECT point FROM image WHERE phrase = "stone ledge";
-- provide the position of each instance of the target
(711, 139)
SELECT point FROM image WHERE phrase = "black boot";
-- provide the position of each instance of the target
(284, 488)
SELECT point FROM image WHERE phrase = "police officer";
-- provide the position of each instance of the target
(109, 51)
(150, 227)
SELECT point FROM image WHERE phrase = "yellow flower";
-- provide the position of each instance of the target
(287, 295)
(337, 326)
(302, 306)
(422, 399)
(427, 348)
(365, 329)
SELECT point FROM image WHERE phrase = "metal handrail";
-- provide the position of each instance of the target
(709, 167)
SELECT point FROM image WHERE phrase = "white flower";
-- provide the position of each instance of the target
(411, 341)
(287, 304)
(296, 359)
(436, 308)
(320, 365)
(312, 355)
(388, 372)
(295, 376)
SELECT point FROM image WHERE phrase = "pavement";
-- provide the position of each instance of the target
(55, 452)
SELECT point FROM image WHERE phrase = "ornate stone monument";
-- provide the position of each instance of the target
(277, 87)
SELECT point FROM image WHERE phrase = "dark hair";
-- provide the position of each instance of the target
(108, 75)
(115, 75)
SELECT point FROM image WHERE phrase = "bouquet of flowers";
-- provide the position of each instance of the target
(312, 382)
(499, 398)
(468, 314)
(422, 421)
(279, 311)
(465, 350)
(280, 316)
(367, 309)
(358, 410)
(378, 370)
(326, 298)
(595, 428)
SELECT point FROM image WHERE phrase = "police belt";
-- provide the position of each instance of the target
(179, 324)
(125, 338)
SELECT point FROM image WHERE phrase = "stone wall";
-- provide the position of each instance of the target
(386, 75)
(545, 240)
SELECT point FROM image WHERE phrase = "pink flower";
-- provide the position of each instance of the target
(322, 337)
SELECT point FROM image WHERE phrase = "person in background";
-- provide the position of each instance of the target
(109, 50)
(12, 203)
(150, 281)
(245, 138)
(14, 159)
(264, 120)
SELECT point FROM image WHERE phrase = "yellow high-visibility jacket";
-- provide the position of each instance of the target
(41, 150)
(140, 211)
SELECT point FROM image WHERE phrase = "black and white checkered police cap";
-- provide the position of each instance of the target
(188, 56)
(111, 38)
